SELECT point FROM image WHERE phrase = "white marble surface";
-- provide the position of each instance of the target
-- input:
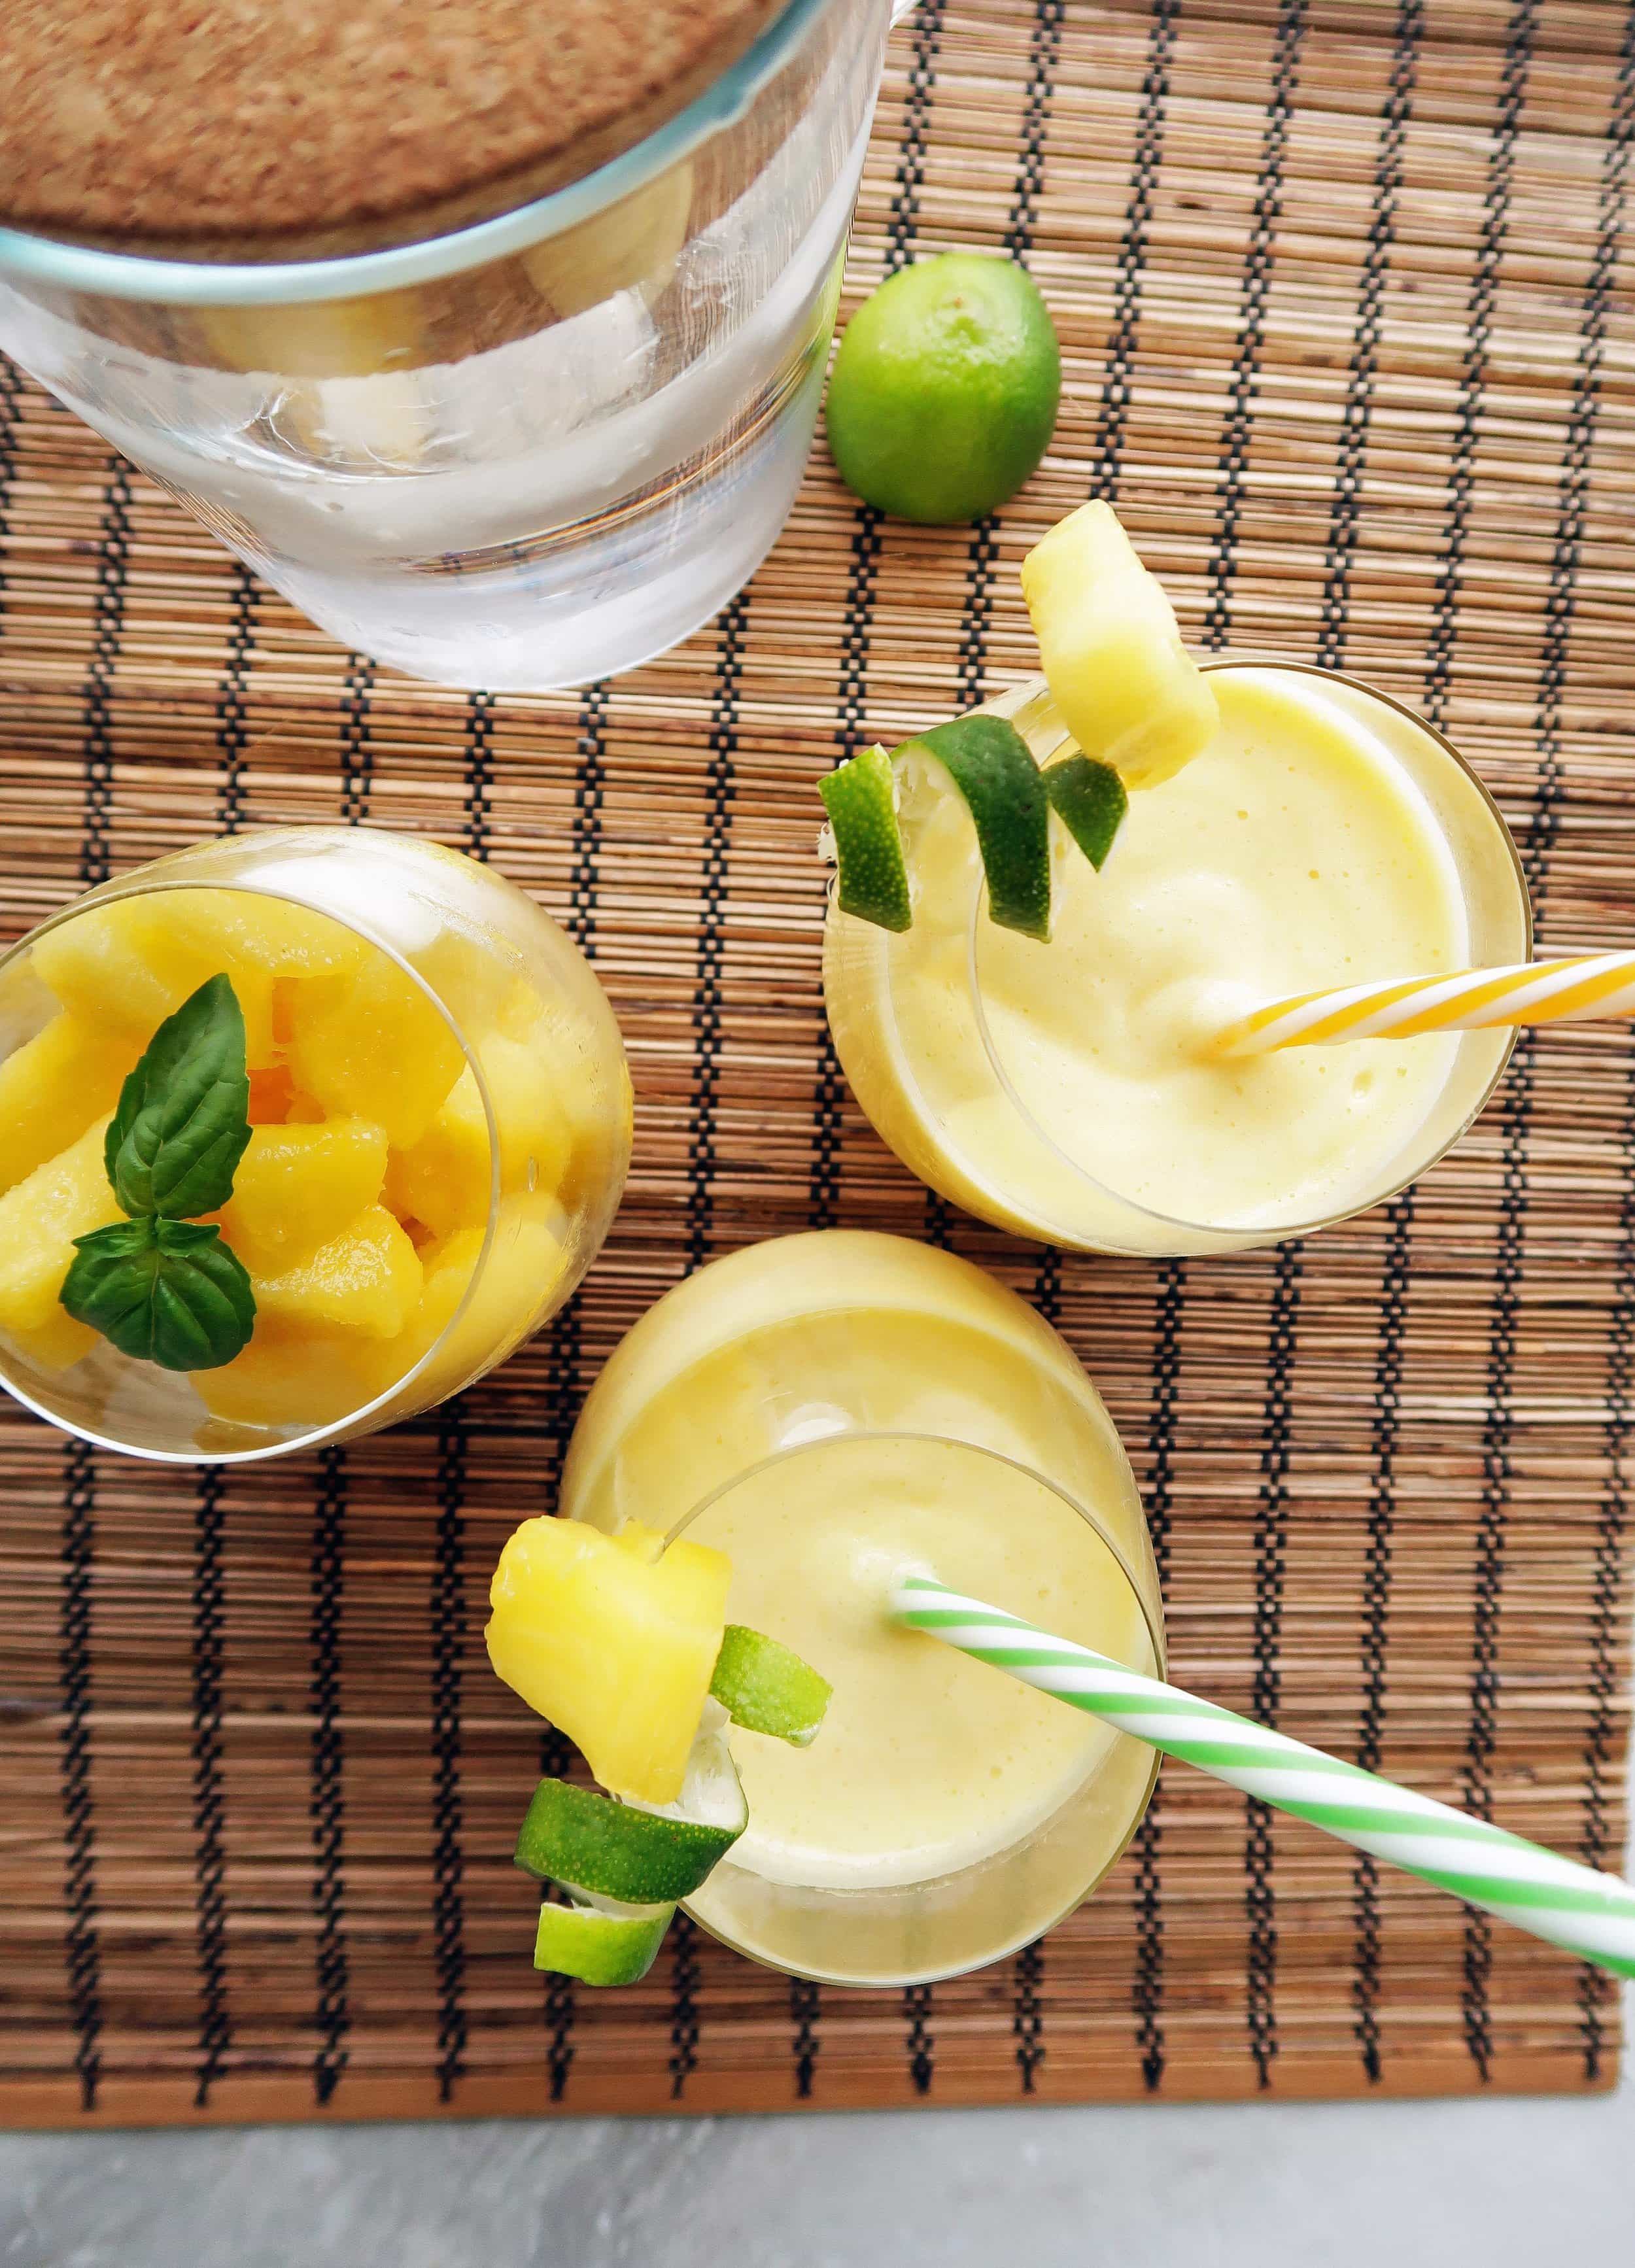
(1503, 2184)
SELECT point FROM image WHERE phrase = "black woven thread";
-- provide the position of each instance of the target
(10, 417)
(1107, 465)
(107, 627)
(1473, 380)
(856, 624)
(1595, 1988)
(850, 707)
(327, 1784)
(977, 616)
(921, 2040)
(556, 1752)
(82, 1943)
(1376, 1602)
(1344, 524)
(1147, 1990)
(721, 782)
(567, 1331)
(232, 700)
(903, 225)
(805, 2007)
(358, 747)
(1475, 2012)
(210, 1855)
(1044, 52)
(1271, 1540)
(1232, 461)
(1119, 360)
(448, 1646)
(1027, 1969)
(589, 793)
(685, 1979)
(479, 771)
(1345, 516)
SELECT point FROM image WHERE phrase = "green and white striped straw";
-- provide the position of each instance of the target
(1590, 1914)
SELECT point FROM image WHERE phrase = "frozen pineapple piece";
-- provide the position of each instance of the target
(66, 1197)
(297, 1374)
(614, 1641)
(444, 1179)
(125, 967)
(1128, 692)
(297, 1187)
(367, 1279)
(53, 1087)
(372, 1045)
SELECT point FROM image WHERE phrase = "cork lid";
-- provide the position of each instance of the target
(235, 129)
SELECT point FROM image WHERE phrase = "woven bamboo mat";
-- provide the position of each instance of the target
(1344, 294)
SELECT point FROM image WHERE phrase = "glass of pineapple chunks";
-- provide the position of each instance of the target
(441, 1128)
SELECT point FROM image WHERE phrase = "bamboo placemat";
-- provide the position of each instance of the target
(1343, 292)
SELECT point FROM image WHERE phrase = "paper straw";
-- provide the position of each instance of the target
(1590, 1914)
(1529, 993)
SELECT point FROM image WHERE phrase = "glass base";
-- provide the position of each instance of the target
(585, 602)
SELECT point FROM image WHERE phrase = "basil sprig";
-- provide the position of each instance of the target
(161, 1285)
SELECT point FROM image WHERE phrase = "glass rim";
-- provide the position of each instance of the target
(33, 258)
(115, 890)
(1278, 1231)
(1156, 1638)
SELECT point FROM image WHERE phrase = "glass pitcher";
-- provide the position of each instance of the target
(527, 454)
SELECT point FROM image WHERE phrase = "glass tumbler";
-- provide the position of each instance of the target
(943, 1083)
(441, 1129)
(527, 454)
(815, 1390)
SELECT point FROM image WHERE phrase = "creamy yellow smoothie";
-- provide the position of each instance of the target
(825, 1409)
(1069, 1090)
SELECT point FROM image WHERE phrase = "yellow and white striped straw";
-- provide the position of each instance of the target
(1573, 992)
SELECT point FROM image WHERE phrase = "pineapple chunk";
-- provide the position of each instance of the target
(297, 1374)
(472, 976)
(367, 1279)
(518, 1284)
(615, 1644)
(53, 1087)
(66, 1197)
(1128, 692)
(297, 1187)
(238, 929)
(372, 1045)
(444, 1179)
(56, 1345)
(125, 967)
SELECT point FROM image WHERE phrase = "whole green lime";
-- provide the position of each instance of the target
(944, 393)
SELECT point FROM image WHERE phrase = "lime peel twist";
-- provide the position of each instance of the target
(625, 1865)
(1010, 800)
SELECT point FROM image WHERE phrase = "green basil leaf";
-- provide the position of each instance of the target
(168, 1291)
(182, 1124)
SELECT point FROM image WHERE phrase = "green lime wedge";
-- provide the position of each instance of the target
(591, 1843)
(602, 1942)
(765, 1688)
(1090, 799)
(861, 803)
